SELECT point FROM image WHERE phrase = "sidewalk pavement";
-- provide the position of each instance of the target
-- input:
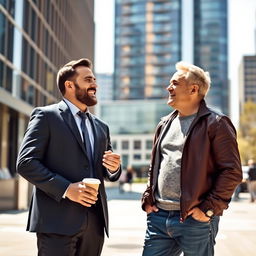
(236, 237)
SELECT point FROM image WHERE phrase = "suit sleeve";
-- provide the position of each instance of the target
(148, 195)
(228, 167)
(108, 175)
(30, 159)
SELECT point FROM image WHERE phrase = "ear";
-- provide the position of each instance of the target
(194, 89)
(68, 84)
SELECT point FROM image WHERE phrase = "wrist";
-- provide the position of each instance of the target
(209, 213)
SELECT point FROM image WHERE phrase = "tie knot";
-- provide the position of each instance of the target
(83, 115)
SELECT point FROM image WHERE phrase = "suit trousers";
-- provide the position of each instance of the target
(87, 242)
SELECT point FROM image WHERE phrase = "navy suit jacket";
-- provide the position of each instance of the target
(52, 156)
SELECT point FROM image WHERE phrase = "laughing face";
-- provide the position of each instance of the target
(86, 86)
(179, 91)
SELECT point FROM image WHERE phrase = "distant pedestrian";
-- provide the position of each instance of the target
(237, 192)
(122, 181)
(252, 179)
(129, 176)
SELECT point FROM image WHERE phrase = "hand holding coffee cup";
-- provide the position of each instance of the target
(84, 192)
(92, 183)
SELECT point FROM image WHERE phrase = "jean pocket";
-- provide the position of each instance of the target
(198, 221)
(148, 214)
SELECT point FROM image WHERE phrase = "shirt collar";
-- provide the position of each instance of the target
(73, 108)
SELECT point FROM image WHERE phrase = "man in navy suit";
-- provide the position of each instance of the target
(69, 218)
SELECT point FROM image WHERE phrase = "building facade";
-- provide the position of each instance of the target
(211, 48)
(147, 46)
(36, 39)
(247, 77)
(105, 89)
(132, 123)
(150, 37)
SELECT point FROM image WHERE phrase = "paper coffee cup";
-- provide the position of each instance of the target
(91, 182)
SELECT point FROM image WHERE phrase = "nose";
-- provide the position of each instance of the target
(94, 82)
(169, 87)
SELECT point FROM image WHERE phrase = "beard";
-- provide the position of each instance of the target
(84, 97)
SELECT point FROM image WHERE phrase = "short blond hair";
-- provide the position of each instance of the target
(195, 75)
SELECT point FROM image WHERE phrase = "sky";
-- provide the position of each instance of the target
(242, 41)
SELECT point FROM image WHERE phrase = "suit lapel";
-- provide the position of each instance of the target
(71, 123)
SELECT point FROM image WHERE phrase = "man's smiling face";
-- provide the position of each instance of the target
(179, 91)
(86, 87)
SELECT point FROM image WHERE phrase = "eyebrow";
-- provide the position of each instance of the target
(89, 77)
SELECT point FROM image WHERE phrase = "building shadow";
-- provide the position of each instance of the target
(12, 212)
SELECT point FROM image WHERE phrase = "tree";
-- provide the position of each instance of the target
(247, 132)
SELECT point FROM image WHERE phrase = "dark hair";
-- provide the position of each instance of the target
(68, 71)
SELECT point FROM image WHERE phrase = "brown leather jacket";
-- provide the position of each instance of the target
(210, 164)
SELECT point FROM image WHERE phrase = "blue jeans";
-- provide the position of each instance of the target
(167, 236)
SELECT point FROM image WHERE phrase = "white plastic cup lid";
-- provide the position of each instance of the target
(91, 181)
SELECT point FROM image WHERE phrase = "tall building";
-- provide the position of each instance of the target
(211, 47)
(147, 46)
(105, 89)
(151, 36)
(247, 77)
(36, 39)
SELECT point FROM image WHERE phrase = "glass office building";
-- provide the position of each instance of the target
(133, 117)
(105, 87)
(132, 123)
(36, 39)
(247, 80)
(147, 46)
(211, 48)
(150, 37)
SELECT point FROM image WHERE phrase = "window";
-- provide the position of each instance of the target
(28, 92)
(8, 85)
(125, 160)
(137, 144)
(148, 156)
(32, 63)
(137, 156)
(125, 144)
(2, 72)
(149, 144)
(2, 32)
(114, 145)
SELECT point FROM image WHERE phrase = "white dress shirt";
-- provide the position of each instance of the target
(74, 110)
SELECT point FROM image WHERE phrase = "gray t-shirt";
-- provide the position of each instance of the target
(168, 186)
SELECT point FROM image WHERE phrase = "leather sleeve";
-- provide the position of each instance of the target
(227, 164)
(148, 197)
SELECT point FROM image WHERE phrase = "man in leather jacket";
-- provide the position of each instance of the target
(195, 168)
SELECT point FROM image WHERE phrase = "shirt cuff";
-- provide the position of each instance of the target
(64, 195)
(113, 171)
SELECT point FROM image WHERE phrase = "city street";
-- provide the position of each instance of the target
(236, 237)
